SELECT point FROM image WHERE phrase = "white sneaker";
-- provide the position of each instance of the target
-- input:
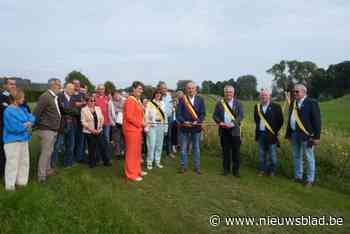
(149, 167)
(159, 166)
(138, 179)
(143, 173)
(10, 188)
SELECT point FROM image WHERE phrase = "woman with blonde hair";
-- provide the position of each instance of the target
(16, 135)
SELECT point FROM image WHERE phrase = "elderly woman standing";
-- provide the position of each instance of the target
(17, 124)
(133, 124)
(92, 120)
(156, 121)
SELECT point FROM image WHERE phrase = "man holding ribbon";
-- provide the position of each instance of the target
(228, 115)
(269, 121)
(190, 114)
(303, 131)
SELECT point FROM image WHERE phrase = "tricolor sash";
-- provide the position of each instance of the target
(298, 120)
(262, 118)
(190, 108)
(228, 109)
(158, 109)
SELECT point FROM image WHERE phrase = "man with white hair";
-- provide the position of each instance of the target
(269, 121)
(190, 113)
(228, 115)
(70, 113)
(304, 131)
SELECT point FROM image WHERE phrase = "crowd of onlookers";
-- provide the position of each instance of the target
(75, 126)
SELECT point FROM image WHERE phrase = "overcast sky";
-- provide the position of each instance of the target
(156, 40)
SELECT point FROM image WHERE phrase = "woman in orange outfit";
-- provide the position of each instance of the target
(133, 124)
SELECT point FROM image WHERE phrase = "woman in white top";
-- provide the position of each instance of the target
(156, 126)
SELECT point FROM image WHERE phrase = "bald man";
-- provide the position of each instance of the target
(69, 113)
(190, 113)
(268, 120)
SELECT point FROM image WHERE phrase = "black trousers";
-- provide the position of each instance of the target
(2, 159)
(98, 144)
(231, 151)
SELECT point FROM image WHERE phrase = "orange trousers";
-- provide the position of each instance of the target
(133, 147)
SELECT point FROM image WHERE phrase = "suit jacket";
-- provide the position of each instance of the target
(274, 117)
(310, 116)
(46, 113)
(183, 115)
(133, 116)
(87, 119)
(69, 111)
(219, 116)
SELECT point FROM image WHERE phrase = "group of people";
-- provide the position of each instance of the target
(100, 125)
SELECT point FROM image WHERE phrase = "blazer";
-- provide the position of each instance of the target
(68, 109)
(133, 116)
(183, 115)
(47, 113)
(274, 117)
(310, 115)
(87, 119)
(219, 116)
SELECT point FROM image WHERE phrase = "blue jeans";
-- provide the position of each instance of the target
(300, 147)
(107, 132)
(185, 137)
(80, 145)
(69, 142)
(267, 153)
(59, 144)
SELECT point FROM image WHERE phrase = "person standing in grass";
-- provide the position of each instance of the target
(304, 131)
(269, 121)
(92, 120)
(48, 115)
(17, 125)
(190, 114)
(228, 115)
(116, 105)
(156, 120)
(69, 116)
(133, 125)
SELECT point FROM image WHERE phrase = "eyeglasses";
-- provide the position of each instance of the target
(92, 100)
(296, 91)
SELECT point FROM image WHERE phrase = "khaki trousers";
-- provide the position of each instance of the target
(17, 164)
(47, 142)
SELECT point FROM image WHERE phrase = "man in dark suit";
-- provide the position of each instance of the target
(228, 115)
(268, 120)
(69, 117)
(303, 131)
(190, 114)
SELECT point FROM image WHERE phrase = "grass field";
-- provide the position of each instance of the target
(83, 200)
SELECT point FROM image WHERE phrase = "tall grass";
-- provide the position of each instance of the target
(332, 155)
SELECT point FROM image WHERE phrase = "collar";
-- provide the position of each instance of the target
(300, 102)
(66, 94)
(6, 93)
(52, 93)
(266, 104)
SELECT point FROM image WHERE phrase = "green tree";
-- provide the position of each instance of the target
(84, 80)
(246, 87)
(181, 84)
(110, 87)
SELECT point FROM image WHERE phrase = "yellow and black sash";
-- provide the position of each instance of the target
(159, 110)
(137, 101)
(228, 109)
(190, 108)
(298, 119)
(263, 119)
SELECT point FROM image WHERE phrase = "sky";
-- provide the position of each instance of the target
(154, 40)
